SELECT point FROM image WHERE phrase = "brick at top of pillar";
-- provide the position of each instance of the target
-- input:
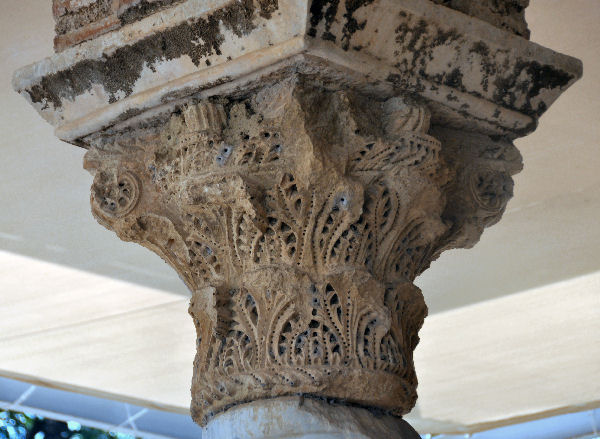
(82, 20)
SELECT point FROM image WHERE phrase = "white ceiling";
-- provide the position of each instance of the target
(514, 327)
(43, 186)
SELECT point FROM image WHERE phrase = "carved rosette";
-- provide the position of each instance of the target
(299, 218)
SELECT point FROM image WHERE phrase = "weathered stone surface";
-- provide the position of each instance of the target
(63, 7)
(86, 32)
(77, 19)
(475, 75)
(82, 20)
(299, 417)
(506, 14)
(298, 217)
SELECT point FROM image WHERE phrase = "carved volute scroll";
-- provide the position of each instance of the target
(299, 218)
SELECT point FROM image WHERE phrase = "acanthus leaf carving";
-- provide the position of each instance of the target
(299, 219)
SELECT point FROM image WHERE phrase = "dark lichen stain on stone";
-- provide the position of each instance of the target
(415, 32)
(132, 112)
(527, 81)
(143, 9)
(323, 10)
(454, 79)
(328, 36)
(38, 94)
(78, 18)
(118, 72)
(488, 67)
(326, 11)
(398, 82)
(480, 48)
(188, 91)
(505, 14)
(443, 37)
(417, 40)
(267, 7)
(515, 85)
(352, 25)
(451, 98)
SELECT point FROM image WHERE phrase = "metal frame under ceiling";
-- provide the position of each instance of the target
(111, 415)
(102, 413)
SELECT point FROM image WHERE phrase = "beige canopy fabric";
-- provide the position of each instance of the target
(512, 358)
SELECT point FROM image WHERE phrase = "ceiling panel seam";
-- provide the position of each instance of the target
(91, 321)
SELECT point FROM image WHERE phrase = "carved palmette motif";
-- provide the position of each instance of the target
(299, 217)
(343, 337)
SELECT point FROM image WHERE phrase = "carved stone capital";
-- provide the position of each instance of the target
(299, 216)
(299, 163)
